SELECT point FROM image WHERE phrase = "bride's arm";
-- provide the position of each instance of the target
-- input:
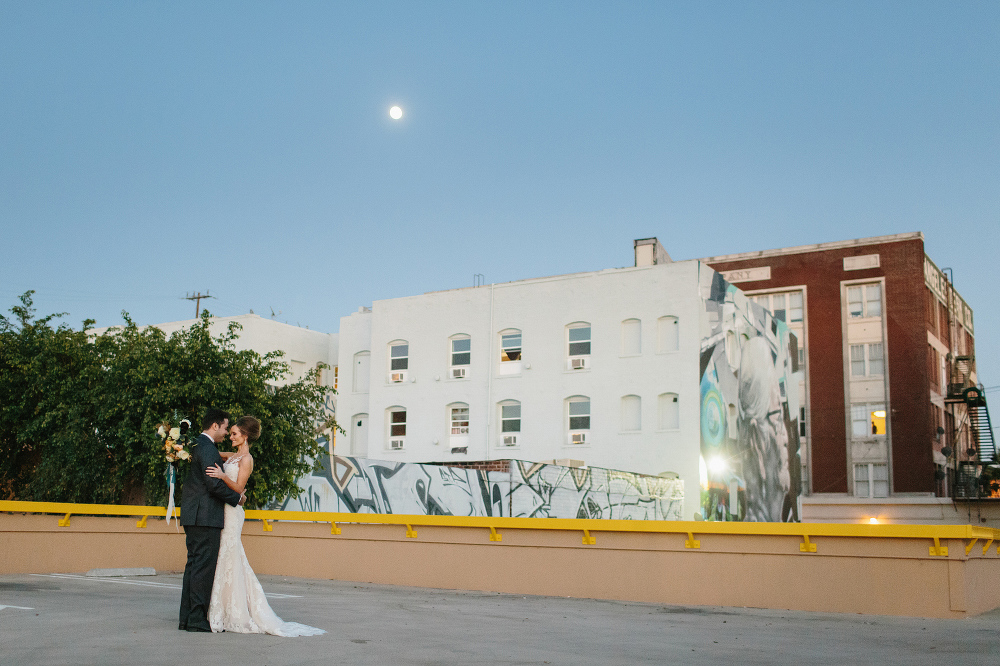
(226, 455)
(239, 485)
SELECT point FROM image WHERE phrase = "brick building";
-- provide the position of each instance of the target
(888, 349)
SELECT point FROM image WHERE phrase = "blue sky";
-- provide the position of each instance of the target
(150, 149)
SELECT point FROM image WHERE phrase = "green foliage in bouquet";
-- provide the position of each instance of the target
(79, 412)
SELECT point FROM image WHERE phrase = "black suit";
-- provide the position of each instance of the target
(203, 517)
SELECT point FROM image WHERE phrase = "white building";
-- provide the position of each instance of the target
(619, 368)
(304, 349)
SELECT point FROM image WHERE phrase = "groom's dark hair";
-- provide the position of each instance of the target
(213, 416)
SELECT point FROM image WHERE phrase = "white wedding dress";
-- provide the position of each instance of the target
(238, 603)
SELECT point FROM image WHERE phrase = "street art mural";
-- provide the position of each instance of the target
(749, 464)
(359, 485)
(538, 490)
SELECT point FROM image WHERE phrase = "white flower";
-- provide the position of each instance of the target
(175, 433)
(161, 431)
(184, 455)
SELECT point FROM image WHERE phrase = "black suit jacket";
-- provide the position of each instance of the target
(203, 497)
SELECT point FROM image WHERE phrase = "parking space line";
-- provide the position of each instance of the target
(149, 583)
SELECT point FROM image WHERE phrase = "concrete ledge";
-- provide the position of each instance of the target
(846, 574)
(900, 510)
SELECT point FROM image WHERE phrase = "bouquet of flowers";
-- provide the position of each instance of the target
(175, 447)
(175, 440)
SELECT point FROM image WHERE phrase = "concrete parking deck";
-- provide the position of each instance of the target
(73, 619)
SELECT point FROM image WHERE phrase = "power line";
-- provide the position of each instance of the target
(197, 299)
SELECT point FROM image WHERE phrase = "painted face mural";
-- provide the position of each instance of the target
(749, 466)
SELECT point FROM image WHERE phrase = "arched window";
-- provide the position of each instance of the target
(631, 413)
(359, 434)
(578, 346)
(578, 419)
(631, 337)
(362, 371)
(460, 355)
(458, 413)
(396, 427)
(399, 361)
(510, 422)
(667, 334)
(669, 411)
(510, 352)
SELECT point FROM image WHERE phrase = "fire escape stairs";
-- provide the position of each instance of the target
(983, 450)
(982, 429)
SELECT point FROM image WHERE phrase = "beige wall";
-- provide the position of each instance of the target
(894, 576)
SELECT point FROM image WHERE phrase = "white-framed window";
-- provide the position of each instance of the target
(795, 306)
(399, 360)
(631, 413)
(631, 337)
(578, 419)
(510, 352)
(362, 371)
(669, 411)
(857, 360)
(867, 359)
(397, 427)
(460, 355)
(667, 334)
(510, 416)
(578, 346)
(867, 419)
(510, 423)
(876, 359)
(459, 415)
(864, 300)
(871, 480)
(786, 306)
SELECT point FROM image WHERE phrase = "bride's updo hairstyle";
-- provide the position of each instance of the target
(249, 426)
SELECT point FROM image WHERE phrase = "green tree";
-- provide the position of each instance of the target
(80, 411)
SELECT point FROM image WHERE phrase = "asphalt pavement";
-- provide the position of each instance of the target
(74, 619)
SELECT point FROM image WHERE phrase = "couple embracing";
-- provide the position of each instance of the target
(221, 592)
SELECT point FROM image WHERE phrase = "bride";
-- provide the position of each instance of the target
(238, 603)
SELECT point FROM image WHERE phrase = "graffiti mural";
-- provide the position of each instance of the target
(749, 463)
(539, 490)
(359, 485)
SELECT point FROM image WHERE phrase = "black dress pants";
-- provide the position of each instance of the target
(199, 575)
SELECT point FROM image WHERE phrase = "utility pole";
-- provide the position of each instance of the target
(197, 299)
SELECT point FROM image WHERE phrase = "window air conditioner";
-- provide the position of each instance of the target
(458, 373)
(579, 363)
(509, 440)
(396, 444)
(398, 377)
(578, 438)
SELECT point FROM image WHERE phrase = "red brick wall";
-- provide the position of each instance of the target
(902, 265)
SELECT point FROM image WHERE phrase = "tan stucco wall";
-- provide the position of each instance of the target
(893, 576)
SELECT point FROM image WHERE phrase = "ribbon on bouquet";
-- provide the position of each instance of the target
(171, 479)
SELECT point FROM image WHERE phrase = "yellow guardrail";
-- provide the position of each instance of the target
(586, 526)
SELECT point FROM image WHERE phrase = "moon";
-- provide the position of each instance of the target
(395, 113)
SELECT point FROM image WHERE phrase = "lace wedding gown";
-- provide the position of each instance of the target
(238, 602)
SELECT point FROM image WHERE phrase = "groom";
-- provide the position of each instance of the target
(203, 517)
